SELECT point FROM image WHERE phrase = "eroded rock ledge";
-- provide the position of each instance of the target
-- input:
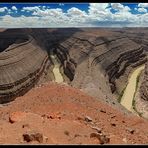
(97, 61)
(102, 62)
(21, 65)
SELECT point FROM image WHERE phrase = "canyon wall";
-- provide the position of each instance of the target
(97, 61)
(21, 64)
(144, 84)
(25, 59)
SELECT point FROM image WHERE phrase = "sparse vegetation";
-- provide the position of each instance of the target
(134, 107)
(120, 95)
(133, 102)
(137, 80)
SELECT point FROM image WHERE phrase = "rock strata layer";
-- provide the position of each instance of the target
(144, 85)
(21, 64)
(97, 61)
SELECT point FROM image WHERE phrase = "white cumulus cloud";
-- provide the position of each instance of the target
(143, 5)
(35, 8)
(117, 6)
(98, 14)
(3, 9)
(120, 7)
(76, 12)
(142, 10)
(14, 8)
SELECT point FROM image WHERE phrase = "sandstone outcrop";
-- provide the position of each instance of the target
(100, 62)
(97, 61)
(21, 64)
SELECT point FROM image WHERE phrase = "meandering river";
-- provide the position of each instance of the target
(129, 92)
(56, 69)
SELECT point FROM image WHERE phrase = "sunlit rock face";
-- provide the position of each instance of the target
(100, 60)
(22, 62)
(95, 60)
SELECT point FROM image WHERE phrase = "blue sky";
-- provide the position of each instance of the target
(52, 15)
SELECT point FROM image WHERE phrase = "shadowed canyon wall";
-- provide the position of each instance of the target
(98, 61)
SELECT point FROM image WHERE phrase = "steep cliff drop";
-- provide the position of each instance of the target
(97, 61)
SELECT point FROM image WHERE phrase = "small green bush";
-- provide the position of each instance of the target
(120, 95)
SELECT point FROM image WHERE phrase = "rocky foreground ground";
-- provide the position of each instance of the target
(59, 114)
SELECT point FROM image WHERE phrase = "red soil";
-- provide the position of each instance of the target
(61, 114)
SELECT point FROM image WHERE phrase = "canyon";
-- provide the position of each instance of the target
(94, 61)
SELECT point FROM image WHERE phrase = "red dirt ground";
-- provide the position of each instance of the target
(61, 114)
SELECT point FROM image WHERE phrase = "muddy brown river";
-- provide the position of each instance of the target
(128, 95)
(56, 69)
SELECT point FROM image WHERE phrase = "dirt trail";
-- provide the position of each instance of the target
(56, 69)
(128, 95)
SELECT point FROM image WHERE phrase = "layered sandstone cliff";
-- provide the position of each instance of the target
(144, 85)
(21, 64)
(97, 61)
(100, 63)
